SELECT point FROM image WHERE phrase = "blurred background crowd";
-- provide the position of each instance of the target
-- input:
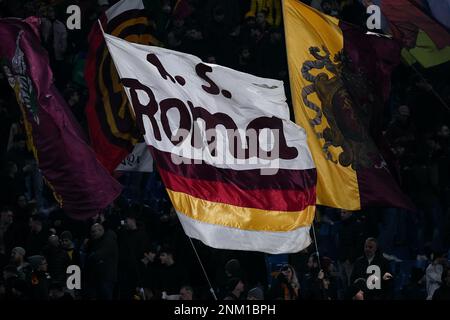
(136, 249)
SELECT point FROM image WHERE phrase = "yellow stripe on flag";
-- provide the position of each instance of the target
(240, 217)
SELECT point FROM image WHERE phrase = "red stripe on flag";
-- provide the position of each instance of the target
(229, 193)
(283, 179)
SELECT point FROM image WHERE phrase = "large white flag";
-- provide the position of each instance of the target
(239, 173)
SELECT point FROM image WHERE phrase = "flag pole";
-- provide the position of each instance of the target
(441, 100)
(204, 271)
(315, 243)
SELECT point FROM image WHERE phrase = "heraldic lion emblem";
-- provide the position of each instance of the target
(347, 105)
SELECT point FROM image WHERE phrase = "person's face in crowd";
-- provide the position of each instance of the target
(194, 34)
(359, 295)
(22, 202)
(51, 13)
(403, 118)
(178, 23)
(74, 98)
(35, 225)
(66, 243)
(260, 18)
(53, 240)
(149, 257)
(370, 248)
(403, 114)
(172, 40)
(219, 16)
(97, 231)
(16, 257)
(287, 272)
(13, 169)
(165, 258)
(7, 218)
(432, 144)
(245, 53)
(399, 151)
(29, 9)
(250, 22)
(255, 33)
(444, 132)
(312, 263)
(166, 9)
(326, 7)
(130, 224)
(185, 294)
(239, 287)
(7, 275)
(43, 266)
(55, 293)
(42, 11)
(275, 37)
(345, 214)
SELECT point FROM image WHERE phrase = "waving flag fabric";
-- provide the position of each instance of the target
(112, 128)
(80, 183)
(238, 172)
(338, 76)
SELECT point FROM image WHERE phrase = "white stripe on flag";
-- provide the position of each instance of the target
(221, 237)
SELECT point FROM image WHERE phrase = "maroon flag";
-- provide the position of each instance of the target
(406, 18)
(80, 183)
(112, 125)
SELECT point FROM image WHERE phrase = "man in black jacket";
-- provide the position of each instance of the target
(101, 263)
(372, 257)
(133, 242)
(172, 275)
(57, 259)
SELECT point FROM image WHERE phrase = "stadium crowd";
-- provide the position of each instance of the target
(136, 248)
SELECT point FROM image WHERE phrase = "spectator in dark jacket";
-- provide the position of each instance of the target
(372, 257)
(69, 247)
(149, 269)
(57, 259)
(38, 236)
(172, 275)
(15, 287)
(101, 263)
(40, 279)
(133, 242)
(286, 285)
(235, 288)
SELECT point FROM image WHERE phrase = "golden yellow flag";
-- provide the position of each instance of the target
(307, 30)
(335, 103)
